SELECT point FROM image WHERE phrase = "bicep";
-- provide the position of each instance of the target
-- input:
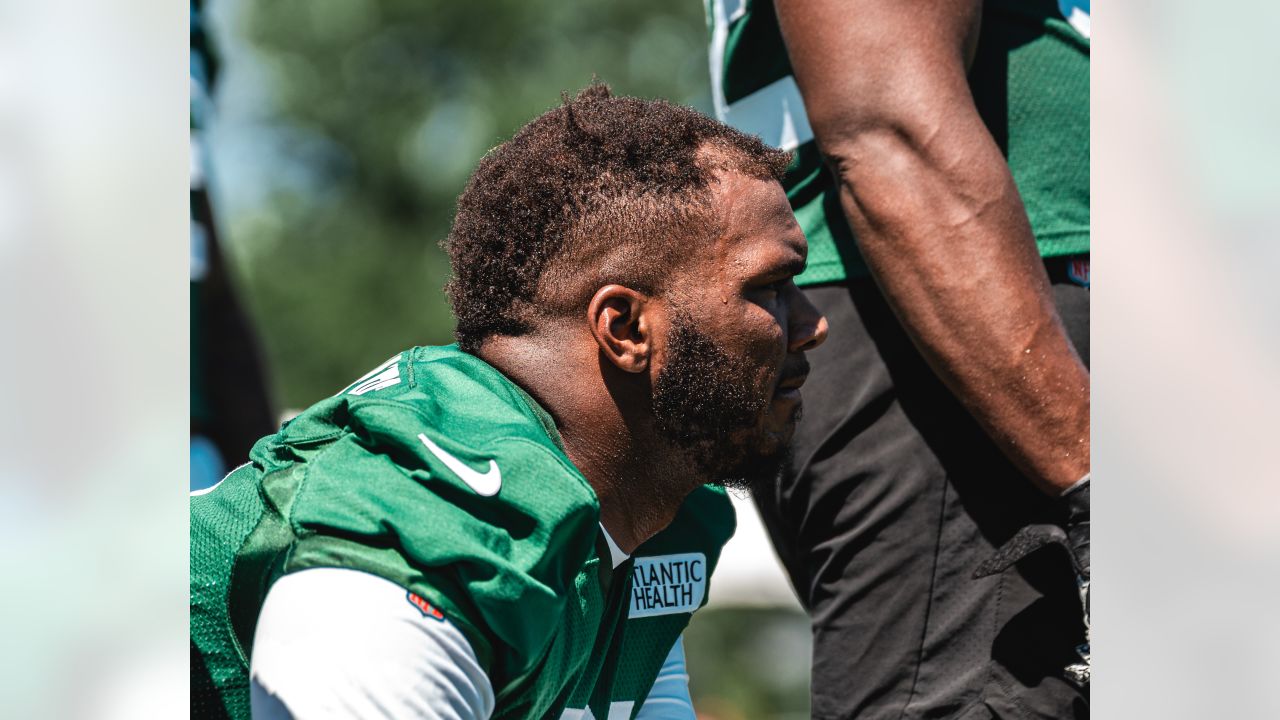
(669, 699)
(335, 643)
(864, 65)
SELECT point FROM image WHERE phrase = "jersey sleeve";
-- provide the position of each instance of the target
(487, 528)
(669, 697)
(336, 643)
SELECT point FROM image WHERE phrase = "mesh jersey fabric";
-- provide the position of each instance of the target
(524, 573)
(1030, 83)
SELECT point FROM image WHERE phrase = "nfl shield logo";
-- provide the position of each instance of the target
(1078, 270)
(426, 608)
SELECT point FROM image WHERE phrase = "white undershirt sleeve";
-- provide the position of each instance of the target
(336, 643)
(669, 697)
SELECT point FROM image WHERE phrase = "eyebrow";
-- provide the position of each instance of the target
(795, 266)
(790, 268)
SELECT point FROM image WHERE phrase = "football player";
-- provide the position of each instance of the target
(520, 525)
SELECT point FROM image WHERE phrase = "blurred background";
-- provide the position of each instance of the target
(345, 129)
(309, 149)
(335, 137)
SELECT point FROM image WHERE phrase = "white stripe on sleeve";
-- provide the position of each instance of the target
(337, 643)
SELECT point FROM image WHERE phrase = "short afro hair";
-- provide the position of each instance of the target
(599, 190)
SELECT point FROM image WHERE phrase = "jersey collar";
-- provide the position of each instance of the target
(615, 553)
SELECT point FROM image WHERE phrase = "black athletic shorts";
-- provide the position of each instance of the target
(894, 497)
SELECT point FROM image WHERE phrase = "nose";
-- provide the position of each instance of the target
(808, 326)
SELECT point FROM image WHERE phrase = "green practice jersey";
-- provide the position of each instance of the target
(437, 473)
(1030, 82)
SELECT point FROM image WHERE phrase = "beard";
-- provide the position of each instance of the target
(706, 402)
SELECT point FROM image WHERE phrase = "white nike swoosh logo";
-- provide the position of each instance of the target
(486, 483)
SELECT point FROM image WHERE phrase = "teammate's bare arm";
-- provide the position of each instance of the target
(938, 219)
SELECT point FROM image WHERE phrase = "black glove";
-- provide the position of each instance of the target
(1072, 536)
(1075, 502)
(1075, 505)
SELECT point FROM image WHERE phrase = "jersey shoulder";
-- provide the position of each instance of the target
(438, 387)
(436, 472)
(445, 416)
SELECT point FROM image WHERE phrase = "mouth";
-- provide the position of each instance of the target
(788, 392)
(789, 385)
(793, 376)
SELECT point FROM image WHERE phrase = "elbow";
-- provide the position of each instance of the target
(860, 154)
(903, 179)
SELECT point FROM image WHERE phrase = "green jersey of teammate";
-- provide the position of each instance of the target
(437, 473)
(1030, 82)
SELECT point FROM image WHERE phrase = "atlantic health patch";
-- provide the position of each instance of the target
(668, 584)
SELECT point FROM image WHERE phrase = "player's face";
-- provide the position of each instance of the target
(729, 385)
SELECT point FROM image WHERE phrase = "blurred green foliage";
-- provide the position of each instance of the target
(381, 108)
(749, 663)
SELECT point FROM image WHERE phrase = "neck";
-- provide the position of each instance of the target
(638, 496)
(640, 482)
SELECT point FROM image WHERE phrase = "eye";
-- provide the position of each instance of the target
(770, 291)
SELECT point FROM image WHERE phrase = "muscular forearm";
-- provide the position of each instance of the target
(938, 218)
(940, 224)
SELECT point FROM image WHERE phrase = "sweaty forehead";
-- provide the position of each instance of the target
(756, 217)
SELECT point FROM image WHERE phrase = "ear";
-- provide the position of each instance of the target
(620, 322)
